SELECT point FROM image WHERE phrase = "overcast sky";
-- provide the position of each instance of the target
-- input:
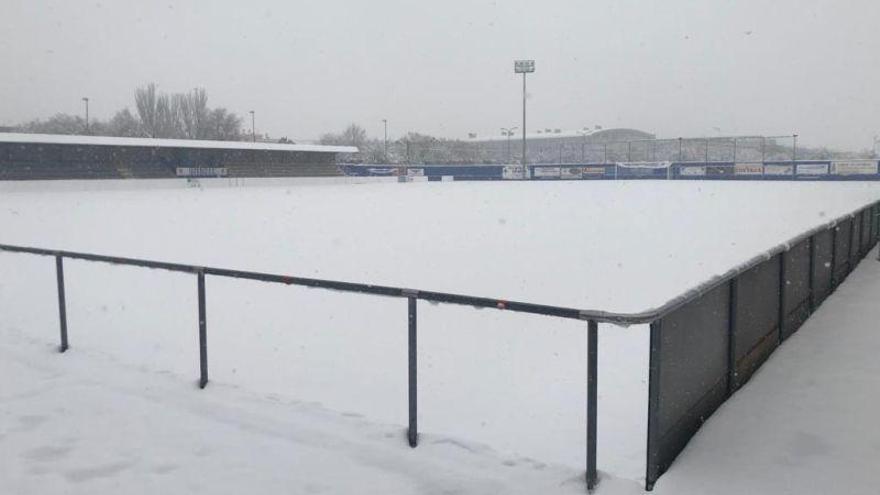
(674, 68)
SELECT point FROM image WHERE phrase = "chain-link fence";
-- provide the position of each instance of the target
(584, 149)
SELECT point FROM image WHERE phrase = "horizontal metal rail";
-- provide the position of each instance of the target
(616, 318)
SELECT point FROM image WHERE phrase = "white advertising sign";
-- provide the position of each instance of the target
(511, 172)
(778, 169)
(546, 172)
(812, 169)
(854, 167)
(202, 172)
(693, 171)
(570, 173)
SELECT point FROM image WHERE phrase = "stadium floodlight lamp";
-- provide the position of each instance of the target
(523, 66)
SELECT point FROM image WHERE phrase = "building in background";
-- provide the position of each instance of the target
(49, 156)
(553, 145)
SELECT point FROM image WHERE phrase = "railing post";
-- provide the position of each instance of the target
(849, 255)
(811, 299)
(203, 332)
(652, 467)
(592, 398)
(833, 284)
(782, 286)
(412, 433)
(733, 296)
(62, 305)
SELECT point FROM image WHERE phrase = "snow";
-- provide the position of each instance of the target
(14, 137)
(512, 384)
(85, 423)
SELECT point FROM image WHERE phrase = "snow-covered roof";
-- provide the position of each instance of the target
(12, 137)
(543, 134)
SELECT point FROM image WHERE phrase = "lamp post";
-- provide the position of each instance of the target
(86, 100)
(794, 147)
(253, 127)
(524, 67)
(508, 131)
(385, 141)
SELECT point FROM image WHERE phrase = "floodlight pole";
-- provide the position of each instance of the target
(524, 67)
(253, 126)
(86, 100)
(525, 168)
(385, 147)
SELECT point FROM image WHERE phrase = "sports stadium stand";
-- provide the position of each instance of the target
(47, 156)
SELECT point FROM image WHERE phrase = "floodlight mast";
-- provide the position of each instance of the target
(524, 67)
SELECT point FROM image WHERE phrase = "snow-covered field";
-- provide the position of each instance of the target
(508, 388)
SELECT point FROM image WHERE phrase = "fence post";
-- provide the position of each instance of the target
(782, 285)
(203, 332)
(811, 299)
(861, 233)
(652, 466)
(592, 398)
(733, 297)
(62, 305)
(849, 256)
(833, 284)
(412, 432)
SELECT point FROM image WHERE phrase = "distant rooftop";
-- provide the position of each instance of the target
(552, 133)
(11, 137)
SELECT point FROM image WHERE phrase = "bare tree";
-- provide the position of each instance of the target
(168, 116)
(124, 124)
(145, 101)
(353, 135)
(60, 123)
(223, 125)
(194, 113)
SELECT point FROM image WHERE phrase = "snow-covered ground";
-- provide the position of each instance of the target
(507, 387)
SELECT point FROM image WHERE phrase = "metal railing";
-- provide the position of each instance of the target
(593, 317)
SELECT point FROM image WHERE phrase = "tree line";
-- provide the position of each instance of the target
(157, 115)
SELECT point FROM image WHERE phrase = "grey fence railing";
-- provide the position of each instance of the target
(705, 343)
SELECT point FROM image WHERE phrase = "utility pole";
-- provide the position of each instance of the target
(253, 127)
(385, 141)
(524, 67)
(85, 99)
